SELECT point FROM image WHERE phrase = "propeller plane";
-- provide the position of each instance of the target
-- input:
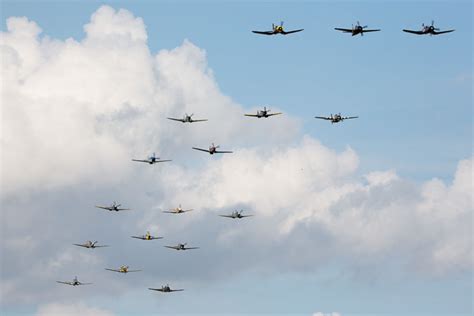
(74, 282)
(277, 29)
(177, 210)
(147, 236)
(187, 119)
(114, 207)
(263, 113)
(428, 29)
(151, 160)
(122, 269)
(181, 247)
(336, 118)
(236, 214)
(165, 289)
(213, 150)
(90, 244)
(356, 29)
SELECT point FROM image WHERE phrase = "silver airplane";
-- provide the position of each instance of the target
(74, 282)
(263, 113)
(213, 150)
(147, 236)
(356, 29)
(177, 210)
(165, 289)
(186, 119)
(277, 29)
(114, 207)
(151, 160)
(181, 247)
(336, 118)
(122, 269)
(90, 244)
(428, 29)
(236, 214)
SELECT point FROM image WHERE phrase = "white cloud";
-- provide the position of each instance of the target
(79, 309)
(326, 314)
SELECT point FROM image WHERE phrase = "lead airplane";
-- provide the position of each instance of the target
(177, 210)
(90, 244)
(213, 150)
(186, 119)
(428, 29)
(151, 160)
(114, 207)
(147, 236)
(277, 29)
(122, 269)
(165, 289)
(356, 29)
(236, 214)
(263, 113)
(336, 118)
(74, 282)
(181, 247)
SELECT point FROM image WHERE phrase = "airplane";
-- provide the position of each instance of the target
(186, 119)
(263, 113)
(122, 269)
(90, 244)
(74, 282)
(177, 210)
(213, 150)
(236, 214)
(277, 29)
(181, 247)
(151, 160)
(147, 236)
(336, 118)
(356, 29)
(165, 289)
(114, 207)
(428, 29)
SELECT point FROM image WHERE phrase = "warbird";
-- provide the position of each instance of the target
(263, 113)
(151, 160)
(356, 29)
(74, 282)
(277, 29)
(90, 244)
(187, 119)
(428, 29)
(236, 214)
(177, 210)
(165, 289)
(122, 269)
(114, 207)
(336, 118)
(181, 247)
(147, 236)
(213, 150)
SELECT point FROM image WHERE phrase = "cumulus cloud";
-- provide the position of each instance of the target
(79, 309)
(75, 112)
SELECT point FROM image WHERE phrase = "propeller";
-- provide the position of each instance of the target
(281, 24)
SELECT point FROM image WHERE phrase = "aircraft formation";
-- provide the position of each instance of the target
(356, 29)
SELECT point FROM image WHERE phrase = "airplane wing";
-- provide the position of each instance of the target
(140, 160)
(189, 248)
(252, 115)
(442, 32)
(203, 120)
(229, 216)
(371, 30)
(177, 290)
(344, 30)
(162, 160)
(413, 32)
(81, 245)
(64, 282)
(114, 270)
(184, 211)
(206, 150)
(175, 119)
(322, 118)
(223, 152)
(271, 114)
(123, 209)
(246, 215)
(171, 212)
(101, 246)
(152, 238)
(160, 290)
(104, 207)
(138, 237)
(294, 31)
(133, 271)
(350, 117)
(264, 32)
(172, 247)
(84, 283)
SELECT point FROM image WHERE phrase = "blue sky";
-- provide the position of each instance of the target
(414, 99)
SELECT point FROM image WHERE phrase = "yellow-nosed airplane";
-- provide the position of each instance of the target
(277, 29)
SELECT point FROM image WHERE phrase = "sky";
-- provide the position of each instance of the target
(366, 217)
